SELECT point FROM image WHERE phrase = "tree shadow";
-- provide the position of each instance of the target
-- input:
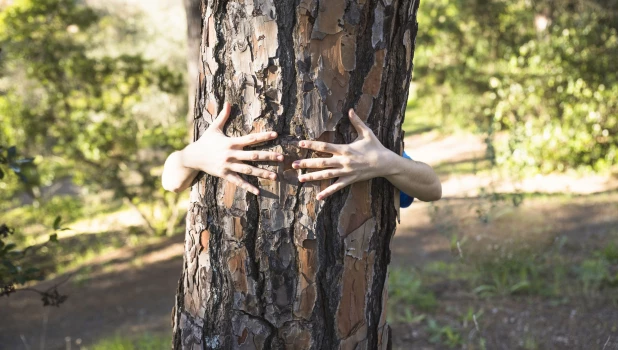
(125, 301)
(584, 223)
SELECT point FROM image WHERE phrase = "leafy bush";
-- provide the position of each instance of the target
(541, 73)
(15, 269)
(82, 111)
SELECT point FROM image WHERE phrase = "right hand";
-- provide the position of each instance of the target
(224, 157)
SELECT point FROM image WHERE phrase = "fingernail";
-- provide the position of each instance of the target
(280, 158)
(273, 176)
(273, 134)
(296, 163)
(318, 197)
(301, 179)
(302, 144)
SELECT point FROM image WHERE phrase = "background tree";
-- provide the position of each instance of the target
(270, 271)
(194, 29)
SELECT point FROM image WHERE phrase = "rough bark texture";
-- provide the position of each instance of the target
(283, 270)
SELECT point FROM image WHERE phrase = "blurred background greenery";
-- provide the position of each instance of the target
(514, 103)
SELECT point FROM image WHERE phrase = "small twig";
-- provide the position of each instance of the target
(23, 340)
(459, 249)
(50, 296)
(607, 342)
(65, 280)
(476, 324)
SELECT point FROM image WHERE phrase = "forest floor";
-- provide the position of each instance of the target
(496, 264)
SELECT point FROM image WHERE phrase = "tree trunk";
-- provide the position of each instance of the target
(194, 39)
(283, 270)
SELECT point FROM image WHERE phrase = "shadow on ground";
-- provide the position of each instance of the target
(121, 297)
(127, 301)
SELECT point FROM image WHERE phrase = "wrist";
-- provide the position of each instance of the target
(392, 164)
(185, 157)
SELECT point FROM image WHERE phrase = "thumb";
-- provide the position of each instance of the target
(221, 119)
(360, 126)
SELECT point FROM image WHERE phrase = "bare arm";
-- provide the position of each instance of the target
(177, 176)
(414, 178)
(364, 159)
(219, 155)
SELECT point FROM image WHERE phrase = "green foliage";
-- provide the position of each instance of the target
(143, 342)
(540, 73)
(548, 274)
(16, 267)
(509, 275)
(406, 292)
(82, 111)
(443, 334)
(596, 273)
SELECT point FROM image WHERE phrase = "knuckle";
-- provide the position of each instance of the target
(227, 156)
(255, 156)
(323, 163)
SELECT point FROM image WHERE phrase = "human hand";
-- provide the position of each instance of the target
(218, 155)
(363, 159)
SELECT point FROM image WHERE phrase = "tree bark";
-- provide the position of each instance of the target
(283, 270)
(194, 38)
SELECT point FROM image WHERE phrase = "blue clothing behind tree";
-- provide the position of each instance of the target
(404, 199)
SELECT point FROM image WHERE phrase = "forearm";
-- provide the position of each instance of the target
(177, 176)
(414, 178)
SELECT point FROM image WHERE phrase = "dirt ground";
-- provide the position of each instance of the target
(125, 299)
(517, 322)
(122, 297)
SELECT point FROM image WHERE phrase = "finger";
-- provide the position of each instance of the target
(338, 185)
(221, 119)
(359, 125)
(257, 156)
(239, 182)
(253, 139)
(320, 146)
(253, 171)
(317, 163)
(321, 175)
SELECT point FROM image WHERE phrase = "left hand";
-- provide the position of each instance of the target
(363, 159)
